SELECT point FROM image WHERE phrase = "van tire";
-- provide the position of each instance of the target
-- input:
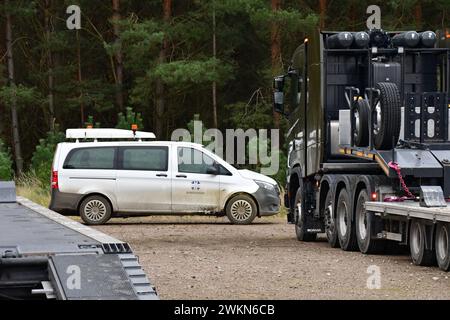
(388, 132)
(241, 209)
(95, 210)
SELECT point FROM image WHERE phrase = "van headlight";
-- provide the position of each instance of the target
(265, 185)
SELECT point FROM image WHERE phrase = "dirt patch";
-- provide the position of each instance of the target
(207, 258)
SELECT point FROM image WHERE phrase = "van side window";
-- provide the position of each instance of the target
(145, 158)
(193, 161)
(90, 158)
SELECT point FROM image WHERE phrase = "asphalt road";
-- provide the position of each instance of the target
(208, 258)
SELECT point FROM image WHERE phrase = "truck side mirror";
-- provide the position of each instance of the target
(278, 94)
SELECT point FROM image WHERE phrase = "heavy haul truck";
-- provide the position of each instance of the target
(369, 145)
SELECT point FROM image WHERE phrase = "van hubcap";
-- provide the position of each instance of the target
(95, 210)
(241, 210)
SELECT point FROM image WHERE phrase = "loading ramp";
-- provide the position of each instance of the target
(44, 255)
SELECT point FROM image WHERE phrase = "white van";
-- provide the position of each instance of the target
(100, 180)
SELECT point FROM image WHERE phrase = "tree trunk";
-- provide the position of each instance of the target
(323, 13)
(118, 55)
(418, 15)
(80, 80)
(48, 32)
(275, 49)
(160, 100)
(214, 85)
(11, 82)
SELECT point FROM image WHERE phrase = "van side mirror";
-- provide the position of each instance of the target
(278, 94)
(214, 169)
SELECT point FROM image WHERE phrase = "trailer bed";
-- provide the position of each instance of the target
(42, 253)
(410, 209)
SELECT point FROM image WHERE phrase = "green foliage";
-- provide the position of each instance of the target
(20, 94)
(130, 118)
(41, 162)
(6, 171)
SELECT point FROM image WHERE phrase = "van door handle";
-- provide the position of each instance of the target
(181, 176)
(162, 175)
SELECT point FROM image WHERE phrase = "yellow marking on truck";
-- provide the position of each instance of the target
(382, 165)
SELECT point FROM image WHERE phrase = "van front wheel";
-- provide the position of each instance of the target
(95, 210)
(241, 209)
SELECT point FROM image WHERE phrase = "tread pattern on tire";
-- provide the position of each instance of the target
(390, 116)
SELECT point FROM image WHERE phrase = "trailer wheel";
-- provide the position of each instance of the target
(361, 129)
(364, 223)
(442, 246)
(330, 221)
(344, 223)
(417, 237)
(300, 219)
(95, 210)
(386, 116)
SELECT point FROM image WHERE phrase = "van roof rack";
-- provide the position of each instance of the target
(107, 134)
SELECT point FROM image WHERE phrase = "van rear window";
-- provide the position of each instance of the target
(91, 158)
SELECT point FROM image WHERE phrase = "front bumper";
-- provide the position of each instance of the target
(268, 201)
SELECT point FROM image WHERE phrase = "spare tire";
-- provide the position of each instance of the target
(361, 127)
(386, 116)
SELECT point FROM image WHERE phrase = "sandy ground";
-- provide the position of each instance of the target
(207, 258)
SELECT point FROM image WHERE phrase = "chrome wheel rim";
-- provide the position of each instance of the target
(329, 223)
(343, 218)
(415, 239)
(442, 247)
(377, 119)
(95, 210)
(356, 115)
(362, 222)
(241, 210)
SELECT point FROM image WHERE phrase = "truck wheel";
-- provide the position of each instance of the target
(442, 246)
(417, 237)
(241, 209)
(344, 224)
(95, 210)
(364, 224)
(386, 116)
(330, 221)
(300, 219)
(361, 116)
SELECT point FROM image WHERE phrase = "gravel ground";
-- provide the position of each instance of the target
(207, 258)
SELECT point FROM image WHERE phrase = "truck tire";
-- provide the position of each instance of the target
(300, 218)
(330, 221)
(442, 246)
(241, 209)
(365, 223)
(386, 117)
(417, 237)
(361, 129)
(95, 210)
(344, 223)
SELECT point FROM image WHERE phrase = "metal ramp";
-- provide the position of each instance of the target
(44, 255)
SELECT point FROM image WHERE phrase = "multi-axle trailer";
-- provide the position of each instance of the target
(44, 255)
(369, 150)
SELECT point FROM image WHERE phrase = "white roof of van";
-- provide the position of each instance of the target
(107, 134)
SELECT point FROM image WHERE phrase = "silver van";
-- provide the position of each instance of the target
(100, 180)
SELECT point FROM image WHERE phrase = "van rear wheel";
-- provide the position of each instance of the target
(95, 210)
(241, 209)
